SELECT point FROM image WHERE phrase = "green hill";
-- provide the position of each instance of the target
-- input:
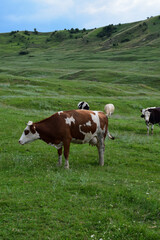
(135, 34)
(41, 73)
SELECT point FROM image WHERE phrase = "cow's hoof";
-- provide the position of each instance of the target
(66, 167)
(59, 165)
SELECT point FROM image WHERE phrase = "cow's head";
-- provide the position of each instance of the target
(29, 134)
(146, 115)
(143, 112)
(83, 105)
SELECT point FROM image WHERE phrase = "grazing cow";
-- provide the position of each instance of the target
(65, 127)
(151, 116)
(83, 105)
(109, 109)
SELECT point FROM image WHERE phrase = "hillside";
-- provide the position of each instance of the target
(112, 36)
(42, 73)
(101, 48)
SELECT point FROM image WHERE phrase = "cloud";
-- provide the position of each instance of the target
(75, 13)
(102, 12)
(117, 6)
(45, 10)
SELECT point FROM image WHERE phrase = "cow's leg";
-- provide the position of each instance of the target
(59, 157)
(66, 152)
(152, 129)
(101, 148)
(147, 129)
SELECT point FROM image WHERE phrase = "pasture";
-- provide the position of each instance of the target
(120, 201)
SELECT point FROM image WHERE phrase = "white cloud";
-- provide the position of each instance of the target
(85, 13)
(103, 12)
(117, 6)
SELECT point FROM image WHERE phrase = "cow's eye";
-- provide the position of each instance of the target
(26, 132)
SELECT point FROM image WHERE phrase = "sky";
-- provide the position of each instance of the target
(51, 15)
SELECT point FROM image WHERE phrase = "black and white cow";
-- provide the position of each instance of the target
(83, 105)
(151, 116)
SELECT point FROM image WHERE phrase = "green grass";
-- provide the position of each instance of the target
(119, 201)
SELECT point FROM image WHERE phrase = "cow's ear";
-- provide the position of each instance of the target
(141, 110)
(29, 123)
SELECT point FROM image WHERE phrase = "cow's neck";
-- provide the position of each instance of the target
(44, 132)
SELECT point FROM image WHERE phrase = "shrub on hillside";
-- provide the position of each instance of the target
(35, 31)
(74, 30)
(13, 32)
(23, 52)
(60, 35)
(125, 40)
(26, 32)
(107, 31)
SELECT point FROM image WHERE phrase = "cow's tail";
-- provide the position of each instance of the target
(110, 136)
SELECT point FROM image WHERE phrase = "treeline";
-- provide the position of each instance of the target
(26, 32)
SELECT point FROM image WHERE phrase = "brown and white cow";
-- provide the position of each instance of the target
(65, 127)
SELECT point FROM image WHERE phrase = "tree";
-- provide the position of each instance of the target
(26, 32)
(35, 31)
(107, 31)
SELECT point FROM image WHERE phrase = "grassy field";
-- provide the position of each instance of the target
(43, 73)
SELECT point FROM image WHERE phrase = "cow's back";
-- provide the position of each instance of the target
(155, 116)
(81, 124)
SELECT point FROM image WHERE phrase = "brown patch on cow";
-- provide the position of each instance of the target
(33, 129)
(79, 129)
(103, 122)
(87, 129)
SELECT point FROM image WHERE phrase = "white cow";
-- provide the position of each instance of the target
(109, 109)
